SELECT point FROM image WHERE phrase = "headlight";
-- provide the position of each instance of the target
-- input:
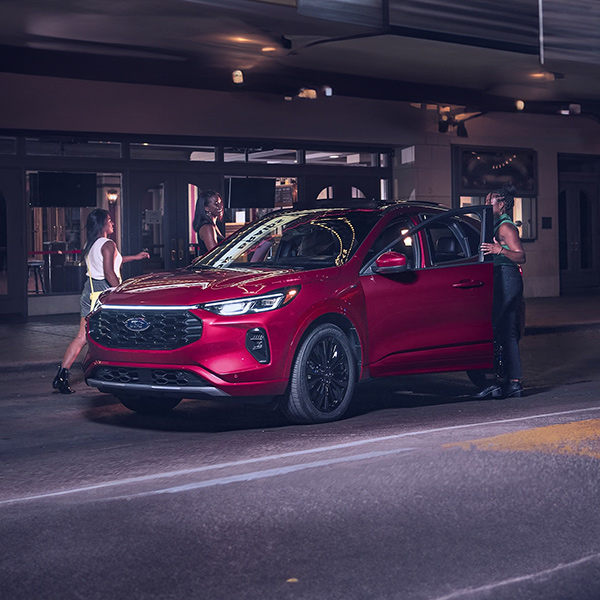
(255, 304)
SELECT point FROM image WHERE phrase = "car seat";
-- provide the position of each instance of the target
(447, 249)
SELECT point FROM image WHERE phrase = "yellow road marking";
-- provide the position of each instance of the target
(580, 438)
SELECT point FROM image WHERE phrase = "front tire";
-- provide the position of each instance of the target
(323, 377)
(149, 405)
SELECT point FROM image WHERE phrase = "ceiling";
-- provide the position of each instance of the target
(199, 43)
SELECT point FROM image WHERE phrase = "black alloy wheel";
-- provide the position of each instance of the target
(323, 376)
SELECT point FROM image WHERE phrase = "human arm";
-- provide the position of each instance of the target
(208, 234)
(109, 251)
(138, 256)
(507, 236)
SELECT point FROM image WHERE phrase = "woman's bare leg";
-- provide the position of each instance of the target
(75, 347)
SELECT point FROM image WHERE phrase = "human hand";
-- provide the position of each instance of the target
(491, 248)
(142, 255)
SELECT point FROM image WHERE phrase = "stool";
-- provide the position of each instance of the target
(37, 266)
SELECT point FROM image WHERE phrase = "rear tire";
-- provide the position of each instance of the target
(480, 379)
(322, 379)
(149, 405)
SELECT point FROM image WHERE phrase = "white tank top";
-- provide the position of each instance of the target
(95, 261)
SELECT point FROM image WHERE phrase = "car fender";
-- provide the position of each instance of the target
(348, 307)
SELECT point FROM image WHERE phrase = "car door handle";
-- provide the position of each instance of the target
(467, 283)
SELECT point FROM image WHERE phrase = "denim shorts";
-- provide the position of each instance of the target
(84, 300)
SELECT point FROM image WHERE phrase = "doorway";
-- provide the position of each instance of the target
(158, 218)
(578, 226)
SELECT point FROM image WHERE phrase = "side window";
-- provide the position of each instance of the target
(471, 233)
(393, 238)
(453, 239)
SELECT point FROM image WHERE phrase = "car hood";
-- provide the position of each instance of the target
(185, 287)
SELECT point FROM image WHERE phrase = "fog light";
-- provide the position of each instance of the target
(257, 344)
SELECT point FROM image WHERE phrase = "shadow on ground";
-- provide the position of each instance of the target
(217, 416)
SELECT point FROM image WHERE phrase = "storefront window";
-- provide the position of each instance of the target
(172, 152)
(72, 148)
(479, 171)
(59, 204)
(333, 158)
(269, 156)
(524, 214)
(8, 145)
(249, 198)
(485, 169)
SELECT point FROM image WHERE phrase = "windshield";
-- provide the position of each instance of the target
(299, 239)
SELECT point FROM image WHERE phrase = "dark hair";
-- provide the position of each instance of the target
(507, 194)
(93, 227)
(200, 216)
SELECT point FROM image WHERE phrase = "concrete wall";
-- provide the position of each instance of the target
(33, 102)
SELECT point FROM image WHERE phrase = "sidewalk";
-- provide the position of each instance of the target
(41, 342)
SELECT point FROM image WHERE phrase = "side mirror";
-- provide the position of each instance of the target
(389, 263)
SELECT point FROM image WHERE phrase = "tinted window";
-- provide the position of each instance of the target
(453, 239)
(393, 238)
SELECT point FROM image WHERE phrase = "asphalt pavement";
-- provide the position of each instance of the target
(42, 341)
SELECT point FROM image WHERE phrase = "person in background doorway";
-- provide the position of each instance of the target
(209, 210)
(104, 266)
(508, 254)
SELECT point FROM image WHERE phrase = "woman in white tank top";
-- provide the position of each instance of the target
(103, 262)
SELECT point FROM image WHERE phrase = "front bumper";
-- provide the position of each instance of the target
(173, 380)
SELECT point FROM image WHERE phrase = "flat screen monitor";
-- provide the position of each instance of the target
(63, 189)
(251, 192)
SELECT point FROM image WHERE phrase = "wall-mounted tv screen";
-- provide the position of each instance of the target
(63, 189)
(251, 192)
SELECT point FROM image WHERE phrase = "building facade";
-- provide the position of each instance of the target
(145, 152)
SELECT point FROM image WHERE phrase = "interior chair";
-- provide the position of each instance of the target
(447, 249)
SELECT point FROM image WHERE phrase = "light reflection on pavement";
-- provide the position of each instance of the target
(580, 438)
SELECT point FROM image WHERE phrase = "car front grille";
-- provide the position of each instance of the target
(164, 329)
(155, 377)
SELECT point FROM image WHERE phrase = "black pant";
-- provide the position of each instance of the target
(508, 296)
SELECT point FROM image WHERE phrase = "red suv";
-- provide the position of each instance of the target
(299, 306)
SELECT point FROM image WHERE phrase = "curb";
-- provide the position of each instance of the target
(543, 329)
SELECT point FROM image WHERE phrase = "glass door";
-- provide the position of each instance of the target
(578, 220)
(158, 213)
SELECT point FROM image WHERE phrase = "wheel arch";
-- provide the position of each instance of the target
(346, 325)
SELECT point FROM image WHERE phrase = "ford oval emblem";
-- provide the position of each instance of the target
(137, 324)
